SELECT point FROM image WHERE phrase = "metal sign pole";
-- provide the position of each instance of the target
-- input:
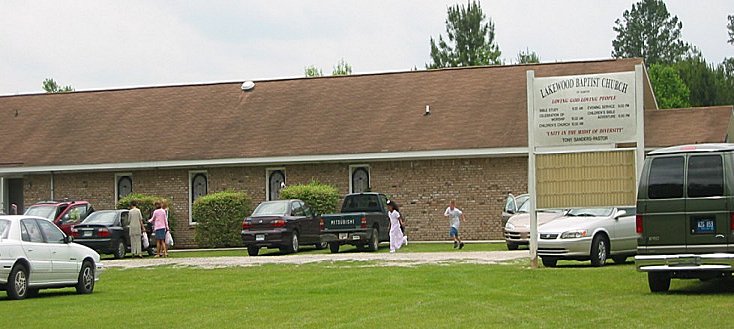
(531, 172)
(640, 104)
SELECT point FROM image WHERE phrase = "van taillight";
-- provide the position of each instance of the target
(638, 224)
(731, 221)
(363, 222)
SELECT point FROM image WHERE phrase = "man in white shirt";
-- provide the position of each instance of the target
(455, 216)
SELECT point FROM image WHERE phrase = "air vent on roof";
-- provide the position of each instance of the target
(247, 85)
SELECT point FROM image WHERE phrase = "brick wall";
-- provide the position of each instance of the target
(423, 188)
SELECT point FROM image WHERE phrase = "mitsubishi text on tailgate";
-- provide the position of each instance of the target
(363, 222)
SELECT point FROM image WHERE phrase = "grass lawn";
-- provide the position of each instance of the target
(359, 295)
(412, 247)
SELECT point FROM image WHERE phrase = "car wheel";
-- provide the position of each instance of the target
(374, 243)
(85, 283)
(293, 246)
(120, 251)
(18, 282)
(599, 250)
(151, 251)
(619, 259)
(512, 246)
(321, 245)
(253, 251)
(334, 247)
(658, 281)
(549, 261)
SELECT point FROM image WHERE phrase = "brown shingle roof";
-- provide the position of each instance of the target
(665, 128)
(471, 108)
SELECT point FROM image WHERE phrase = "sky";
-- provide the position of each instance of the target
(94, 45)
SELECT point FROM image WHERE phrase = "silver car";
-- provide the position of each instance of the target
(513, 206)
(517, 229)
(35, 254)
(589, 234)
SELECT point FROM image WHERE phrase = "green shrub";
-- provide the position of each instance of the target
(146, 204)
(219, 218)
(322, 198)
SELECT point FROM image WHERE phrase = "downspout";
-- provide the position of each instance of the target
(52, 186)
(2, 194)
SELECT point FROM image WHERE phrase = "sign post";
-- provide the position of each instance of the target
(574, 123)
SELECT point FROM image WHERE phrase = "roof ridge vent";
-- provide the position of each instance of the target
(247, 85)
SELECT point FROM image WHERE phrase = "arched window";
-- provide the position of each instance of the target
(124, 186)
(276, 181)
(199, 186)
(360, 180)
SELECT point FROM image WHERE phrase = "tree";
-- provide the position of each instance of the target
(649, 32)
(342, 68)
(312, 71)
(670, 90)
(730, 26)
(50, 86)
(470, 41)
(527, 57)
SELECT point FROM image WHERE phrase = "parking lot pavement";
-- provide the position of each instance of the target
(381, 259)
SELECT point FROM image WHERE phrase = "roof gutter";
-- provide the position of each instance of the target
(280, 160)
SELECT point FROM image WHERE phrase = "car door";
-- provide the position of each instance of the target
(625, 237)
(124, 222)
(510, 209)
(74, 215)
(661, 205)
(299, 221)
(36, 250)
(311, 223)
(707, 214)
(64, 264)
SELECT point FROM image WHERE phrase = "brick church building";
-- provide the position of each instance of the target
(355, 132)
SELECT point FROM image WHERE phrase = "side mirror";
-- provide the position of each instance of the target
(65, 218)
(68, 239)
(620, 213)
(510, 211)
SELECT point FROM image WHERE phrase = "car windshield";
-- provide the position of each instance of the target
(273, 208)
(361, 202)
(101, 218)
(524, 206)
(590, 212)
(4, 228)
(48, 212)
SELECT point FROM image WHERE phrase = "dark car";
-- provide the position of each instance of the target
(65, 214)
(283, 224)
(107, 232)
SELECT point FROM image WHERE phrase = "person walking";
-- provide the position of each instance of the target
(160, 227)
(397, 239)
(136, 228)
(455, 216)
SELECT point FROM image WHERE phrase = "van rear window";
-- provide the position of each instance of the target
(705, 176)
(666, 178)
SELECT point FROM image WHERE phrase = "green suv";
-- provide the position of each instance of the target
(685, 214)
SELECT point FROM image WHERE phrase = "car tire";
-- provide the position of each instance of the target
(658, 281)
(549, 261)
(512, 246)
(293, 246)
(599, 250)
(17, 287)
(619, 259)
(334, 247)
(151, 251)
(374, 244)
(321, 245)
(253, 251)
(85, 282)
(120, 250)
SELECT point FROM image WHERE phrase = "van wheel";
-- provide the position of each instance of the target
(512, 246)
(334, 247)
(18, 282)
(599, 250)
(549, 261)
(253, 251)
(120, 251)
(658, 281)
(85, 283)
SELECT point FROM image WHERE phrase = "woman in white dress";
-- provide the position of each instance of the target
(396, 234)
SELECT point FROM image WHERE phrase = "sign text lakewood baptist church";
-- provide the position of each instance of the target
(585, 109)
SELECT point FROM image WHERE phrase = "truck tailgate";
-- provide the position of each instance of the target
(347, 221)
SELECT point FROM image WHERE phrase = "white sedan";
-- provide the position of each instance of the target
(589, 234)
(35, 254)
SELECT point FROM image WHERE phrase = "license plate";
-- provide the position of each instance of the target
(705, 225)
(343, 236)
(260, 237)
(87, 233)
(355, 237)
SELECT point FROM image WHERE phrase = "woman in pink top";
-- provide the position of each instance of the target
(160, 227)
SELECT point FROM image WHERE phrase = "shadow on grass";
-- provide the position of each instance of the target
(721, 286)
